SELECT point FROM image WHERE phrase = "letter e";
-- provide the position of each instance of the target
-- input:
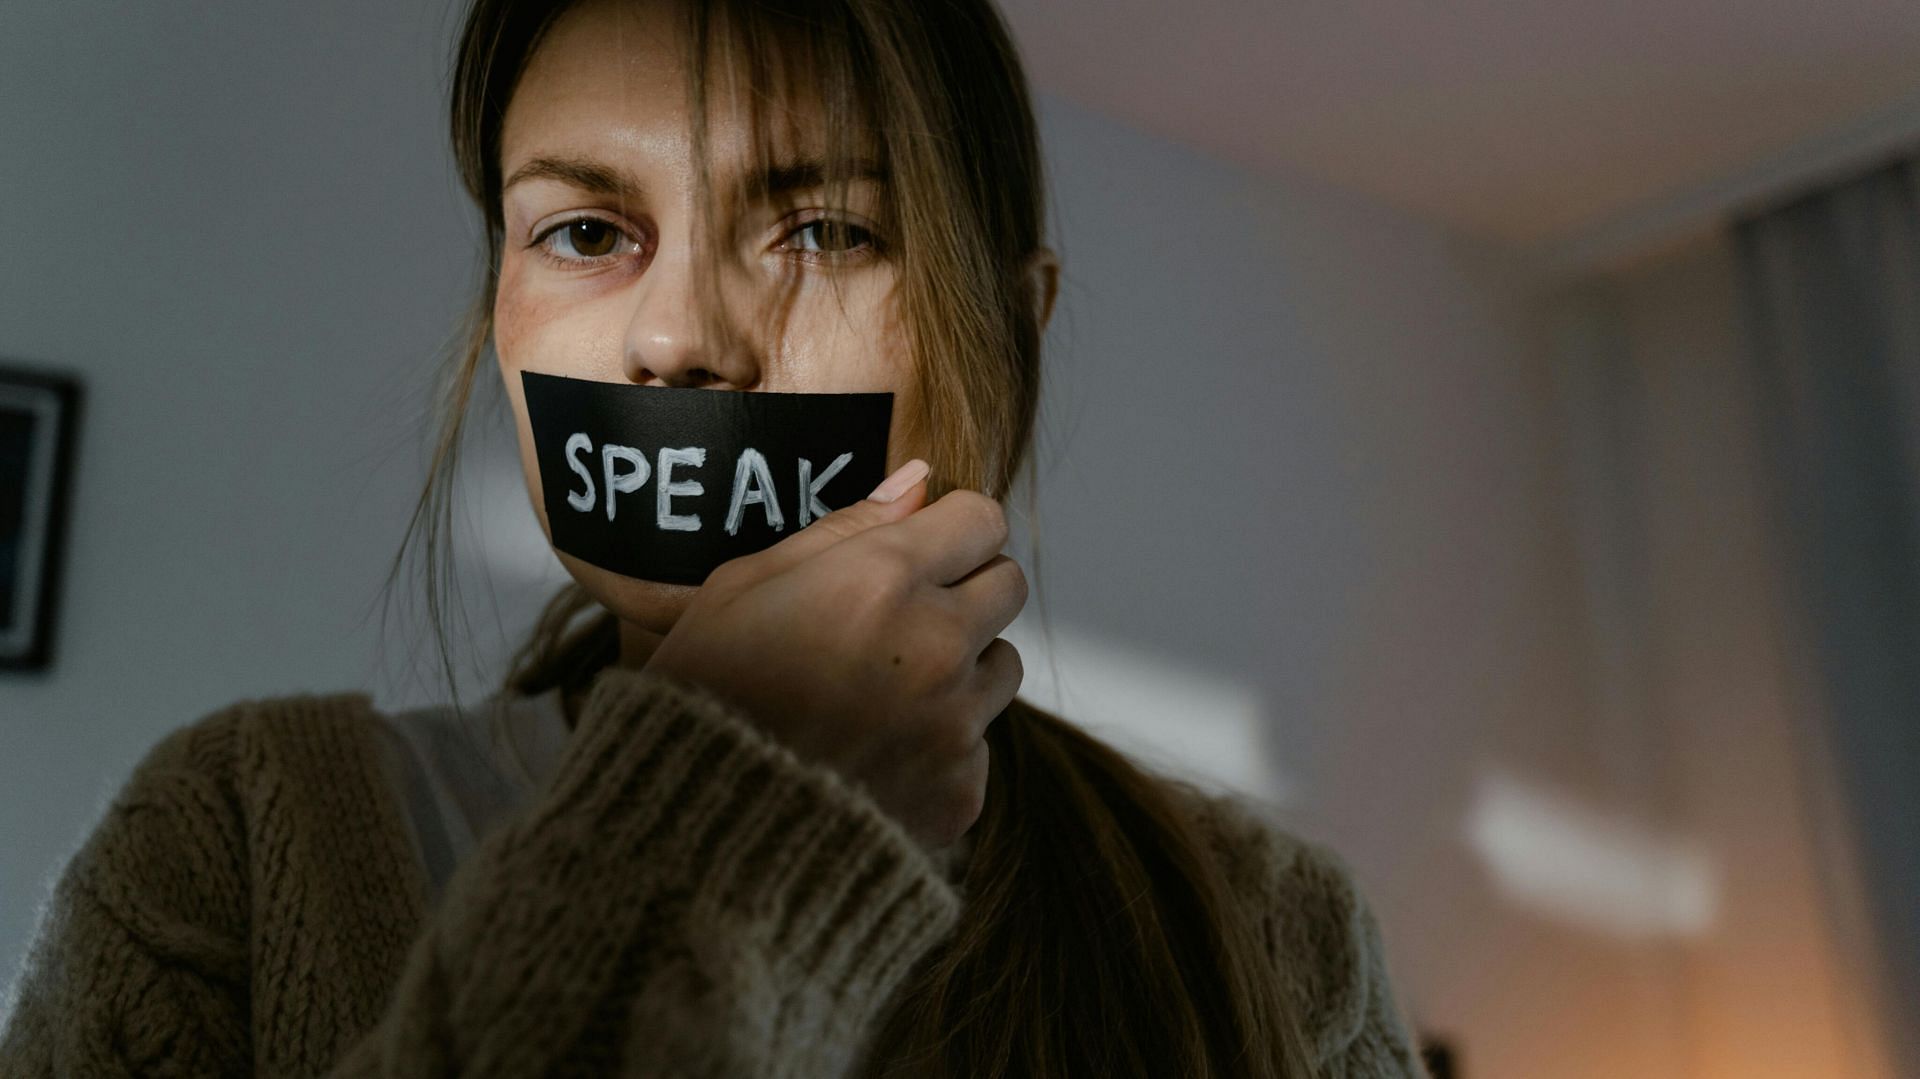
(667, 487)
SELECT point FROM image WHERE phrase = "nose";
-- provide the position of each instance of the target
(669, 339)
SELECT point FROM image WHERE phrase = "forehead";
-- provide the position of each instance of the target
(609, 78)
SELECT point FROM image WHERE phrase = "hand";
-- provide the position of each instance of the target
(869, 642)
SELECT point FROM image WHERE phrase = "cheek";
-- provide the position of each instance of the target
(872, 352)
(516, 315)
(888, 351)
(540, 327)
(861, 348)
(530, 332)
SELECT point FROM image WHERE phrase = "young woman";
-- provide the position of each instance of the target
(791, 821)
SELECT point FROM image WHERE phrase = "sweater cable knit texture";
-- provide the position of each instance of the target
(684, 898)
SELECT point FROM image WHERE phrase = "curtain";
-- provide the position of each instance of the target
(1830, 283)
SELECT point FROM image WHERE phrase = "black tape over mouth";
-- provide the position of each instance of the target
(664, 484)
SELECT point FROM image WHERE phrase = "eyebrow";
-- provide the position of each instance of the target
(785, 177)
(584, 173)
(779, 179)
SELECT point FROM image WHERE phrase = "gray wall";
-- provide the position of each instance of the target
(240, 227)
(236, 223)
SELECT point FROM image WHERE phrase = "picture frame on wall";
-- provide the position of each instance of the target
(39, 412)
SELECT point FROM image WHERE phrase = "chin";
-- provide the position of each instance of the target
(653, 606)
(649, 605)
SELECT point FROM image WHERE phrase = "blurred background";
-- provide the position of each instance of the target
(1543, 379)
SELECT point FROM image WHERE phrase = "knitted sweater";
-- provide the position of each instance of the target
(685, 898)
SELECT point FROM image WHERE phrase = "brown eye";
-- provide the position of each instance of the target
(827, 236)
(591, 238)
(586, 241)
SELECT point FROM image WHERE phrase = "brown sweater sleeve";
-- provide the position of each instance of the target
(686, 898)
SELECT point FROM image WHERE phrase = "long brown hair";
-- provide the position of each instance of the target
(1099, 936)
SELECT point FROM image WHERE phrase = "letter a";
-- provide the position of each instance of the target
(752, 483)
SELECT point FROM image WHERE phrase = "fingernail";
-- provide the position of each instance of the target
(900, 482)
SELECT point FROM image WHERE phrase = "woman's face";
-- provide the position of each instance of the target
(597, 269)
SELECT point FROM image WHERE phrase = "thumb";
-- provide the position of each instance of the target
(899, 496)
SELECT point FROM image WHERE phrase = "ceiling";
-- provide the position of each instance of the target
(1522, 121)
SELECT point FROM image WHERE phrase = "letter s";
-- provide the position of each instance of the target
(577, 444)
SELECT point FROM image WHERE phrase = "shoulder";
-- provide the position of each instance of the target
(1319, 931)
(152, 925)
(177, 832)
(230, 743)
(214, 802)
(205, 782)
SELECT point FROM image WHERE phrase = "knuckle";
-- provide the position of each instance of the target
(970, 799)
(954, 740)
(944, 641)
(890, 573)
(848, 520)
(842, 523)
(955, 816)
(977, 511)
(876, 590)
(1018, 584)
(1016, 666)
(989, 516)
(950, 637)
(729, 575)
(958, 799)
